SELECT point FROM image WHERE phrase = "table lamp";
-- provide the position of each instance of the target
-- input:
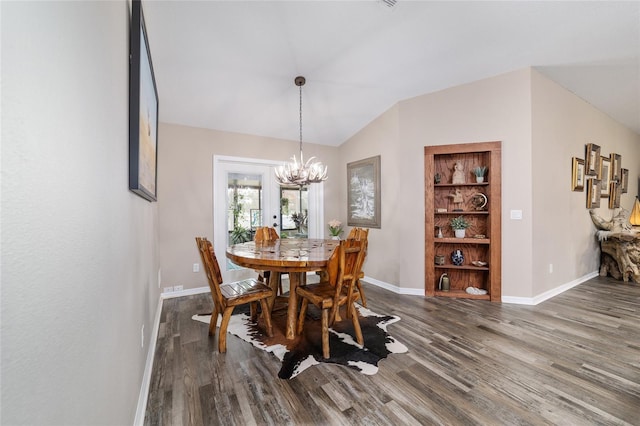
(634, 219)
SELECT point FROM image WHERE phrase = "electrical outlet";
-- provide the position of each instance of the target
(196, 267)
(159, 277)
(142, 337)
(178, 288)
(551, 268)
(168, 289)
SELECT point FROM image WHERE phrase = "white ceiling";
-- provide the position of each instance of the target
(231, 65)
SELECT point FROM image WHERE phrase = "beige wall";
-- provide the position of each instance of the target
(79, 250)
(564, 233)
(492, 109)
(185, 189)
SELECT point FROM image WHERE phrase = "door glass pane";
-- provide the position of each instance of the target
(244, 198)
(294, 212)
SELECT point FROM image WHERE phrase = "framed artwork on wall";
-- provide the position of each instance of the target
(593, 193)
(616, 167)
(592, 159)
(577, 174)
(614, 195)
(143, 111)
(625, 181)
(363, 193)
(604, 175)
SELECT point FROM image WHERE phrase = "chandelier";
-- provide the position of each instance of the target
(301, 173)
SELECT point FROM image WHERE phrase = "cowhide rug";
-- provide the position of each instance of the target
(306, 350)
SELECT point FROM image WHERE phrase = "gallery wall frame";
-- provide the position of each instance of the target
(625, 181)
(616, 167)
(593, 193)
(577, 174)
(592, 159)
(363, 193)
(614, 195)
(604, 175)
(143, 111)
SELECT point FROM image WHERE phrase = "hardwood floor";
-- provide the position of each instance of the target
(572, 360)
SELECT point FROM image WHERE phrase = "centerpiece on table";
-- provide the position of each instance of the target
(335, 229)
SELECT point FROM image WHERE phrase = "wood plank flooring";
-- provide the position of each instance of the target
(572, 360)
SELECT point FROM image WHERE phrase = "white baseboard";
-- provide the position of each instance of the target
(550, 293)
(394, 288)
(148, 368)
(187, 292)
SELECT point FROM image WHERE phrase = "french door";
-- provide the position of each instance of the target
(246, 196)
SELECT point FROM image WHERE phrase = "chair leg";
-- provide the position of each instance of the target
(363, 299)
(214, 320)
(253, 311)
(267, 316)
(222, 337)
(356, 324)
(325, 333)
(301, 316)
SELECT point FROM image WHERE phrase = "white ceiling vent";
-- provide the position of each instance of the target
(389, 3)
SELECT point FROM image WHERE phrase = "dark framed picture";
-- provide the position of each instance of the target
(616, 167)
(604, 175)
(363, 193)
(625, 181)
(593, 193)
(143, 111)
(592, 159)
(577, 174)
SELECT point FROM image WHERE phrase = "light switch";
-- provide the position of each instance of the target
(516, 214)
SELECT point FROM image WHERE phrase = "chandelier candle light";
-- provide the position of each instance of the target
(301, 174)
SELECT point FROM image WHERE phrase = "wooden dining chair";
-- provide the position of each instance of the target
(227, 296)
(360, 234)
(330, 296)
(266, 234)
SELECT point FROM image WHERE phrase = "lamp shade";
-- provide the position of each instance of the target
(634, 219)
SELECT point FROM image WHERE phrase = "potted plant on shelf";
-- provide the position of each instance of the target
(459, 225)
(480, 172)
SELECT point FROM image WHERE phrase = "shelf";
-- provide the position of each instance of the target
(453, 185)
(463, 213)
(467, 267)
(462, 241)
(462, 294)
(447, 162)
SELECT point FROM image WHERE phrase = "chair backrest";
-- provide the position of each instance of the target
(211, 268)
(358, 234)
(351, 256)
(265, 233)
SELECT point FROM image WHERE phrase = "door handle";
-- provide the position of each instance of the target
(275, 224)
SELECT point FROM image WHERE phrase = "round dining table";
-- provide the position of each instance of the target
(294, 256)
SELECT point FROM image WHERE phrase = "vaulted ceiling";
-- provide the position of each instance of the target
(231, 65)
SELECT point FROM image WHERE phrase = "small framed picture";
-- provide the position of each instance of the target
(624, 188)
(614, 195)
(577, 174)
(593, 193)
(592, 159)
(604, 175)
(616, 167)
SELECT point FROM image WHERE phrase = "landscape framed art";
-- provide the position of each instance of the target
(363, 193)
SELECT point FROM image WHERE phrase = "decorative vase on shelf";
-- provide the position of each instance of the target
(457, 257)
(459, 233)
(479, 179)
(335, 237)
